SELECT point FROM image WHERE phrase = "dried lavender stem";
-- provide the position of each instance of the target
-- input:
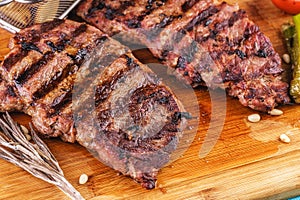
(34, 157)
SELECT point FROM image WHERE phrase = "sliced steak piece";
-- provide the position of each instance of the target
(9, 100)
(81, 85)
(205, 43)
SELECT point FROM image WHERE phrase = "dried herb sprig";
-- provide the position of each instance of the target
(34, 157)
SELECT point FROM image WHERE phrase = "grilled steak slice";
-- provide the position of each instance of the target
(204, 43)
(81, 85)
(9, 101)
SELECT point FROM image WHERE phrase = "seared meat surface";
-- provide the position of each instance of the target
(205, 43)
(9, 101)
(81, 85)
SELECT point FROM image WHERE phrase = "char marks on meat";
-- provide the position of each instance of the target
(67, 75)
(205, 43)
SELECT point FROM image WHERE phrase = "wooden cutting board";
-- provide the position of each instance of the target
(247, 162)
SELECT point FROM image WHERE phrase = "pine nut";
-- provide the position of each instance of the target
(26, 132)
(28, 137)
(254, 118)
(24, 129)
(83, 179)
(275, 112)
(286, 58)
(284, 138)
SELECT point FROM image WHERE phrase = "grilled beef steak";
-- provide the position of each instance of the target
(81, 85)
(203, 42)
(9, 100)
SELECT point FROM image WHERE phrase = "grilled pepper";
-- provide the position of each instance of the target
(291, 33)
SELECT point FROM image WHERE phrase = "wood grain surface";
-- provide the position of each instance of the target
(247, 162)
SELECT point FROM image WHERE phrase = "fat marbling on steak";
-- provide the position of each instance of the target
(81, 85)
(203, 42)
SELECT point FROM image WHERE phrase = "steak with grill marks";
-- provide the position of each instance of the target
(81, 85)
(205, 43)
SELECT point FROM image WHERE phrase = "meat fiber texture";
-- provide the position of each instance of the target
(81, 85)
(210, 44)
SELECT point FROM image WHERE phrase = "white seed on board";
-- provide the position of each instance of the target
(254, 118)
(83, 179)
(275, 112)
(286, 58)
(284, 138)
